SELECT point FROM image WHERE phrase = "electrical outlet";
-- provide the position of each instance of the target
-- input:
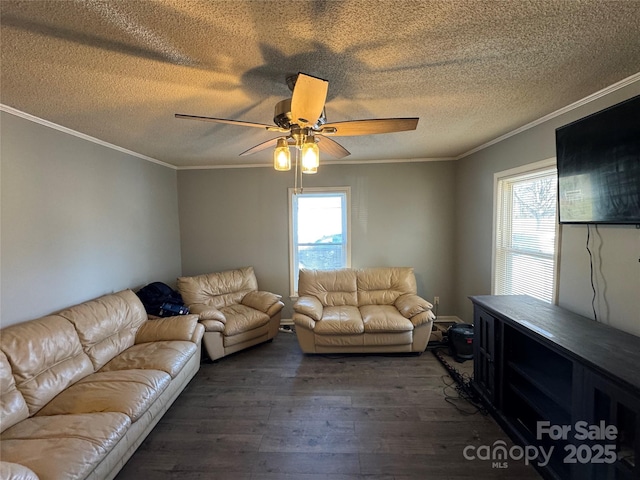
(436, 300)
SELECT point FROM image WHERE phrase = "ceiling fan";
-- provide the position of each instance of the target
(302, 119)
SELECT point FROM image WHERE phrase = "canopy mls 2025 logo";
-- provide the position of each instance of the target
(588, 444)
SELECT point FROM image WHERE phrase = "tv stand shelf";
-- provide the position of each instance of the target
(535, 362)
(557, 390)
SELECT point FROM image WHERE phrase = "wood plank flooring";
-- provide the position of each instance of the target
(272, 413)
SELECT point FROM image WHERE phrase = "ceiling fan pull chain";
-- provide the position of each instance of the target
(301, 176)
(295, 182)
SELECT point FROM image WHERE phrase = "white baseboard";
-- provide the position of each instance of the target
(286, 321)
(448, 319)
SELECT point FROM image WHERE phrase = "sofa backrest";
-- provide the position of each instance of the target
(45, 357)
(107, 325)
(332, 287)
(13, 408)
(219, 289)
(383, 285)
(356, 287)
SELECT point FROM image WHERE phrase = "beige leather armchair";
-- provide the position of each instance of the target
(235, 314)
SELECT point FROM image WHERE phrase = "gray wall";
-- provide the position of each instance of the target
(617, 249)
(79, 220)
(402, 215)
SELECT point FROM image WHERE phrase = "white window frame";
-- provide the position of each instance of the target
(523, 171)
(346, 191)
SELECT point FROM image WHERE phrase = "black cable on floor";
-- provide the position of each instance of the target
(461, 383)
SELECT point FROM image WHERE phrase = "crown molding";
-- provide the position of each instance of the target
(55, 126)
(594, 96)
(222, 167)
(397, 160)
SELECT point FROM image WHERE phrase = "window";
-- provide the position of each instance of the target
(525, 231)
(319, 230)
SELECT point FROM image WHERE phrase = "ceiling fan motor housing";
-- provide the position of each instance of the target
(282, 115)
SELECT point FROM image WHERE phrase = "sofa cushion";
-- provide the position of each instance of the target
(383, 285)
(126, 391)
(246, 336)
(15, 471)
(332, 287)
(63, 446)
(384, 319)
(241, 318)
(107, 325)
(340, 341)
(342, 320)
(218, 289)
(46, 357)
(13, 408)
(388, 339)
(179, 327)
(167, 356)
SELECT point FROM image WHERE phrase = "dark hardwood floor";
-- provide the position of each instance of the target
(272, 413)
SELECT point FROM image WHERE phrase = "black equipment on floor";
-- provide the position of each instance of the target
(460, 338)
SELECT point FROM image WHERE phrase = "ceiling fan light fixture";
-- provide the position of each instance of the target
(310, 156)
(282, 156)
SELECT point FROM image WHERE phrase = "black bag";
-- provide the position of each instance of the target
(161, 300)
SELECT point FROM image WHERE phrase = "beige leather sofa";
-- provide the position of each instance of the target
(361, 310)
(82, 388)
(235, 314)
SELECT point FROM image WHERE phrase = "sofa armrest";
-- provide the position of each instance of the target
(212, 325)
(266, 302)
(180, 327)
(198, 333)
(304, 321)
(309, 306)
(207, 312)
(422, 318)
(410, 305)
(275, 308)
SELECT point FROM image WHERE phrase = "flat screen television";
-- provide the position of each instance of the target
(598, 159)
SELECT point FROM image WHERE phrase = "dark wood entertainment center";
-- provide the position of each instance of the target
(552, 378)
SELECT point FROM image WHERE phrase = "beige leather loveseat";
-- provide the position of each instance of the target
(82, 388)
(361, 310)
(235, 314)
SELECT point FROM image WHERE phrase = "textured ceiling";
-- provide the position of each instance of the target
(471, 70)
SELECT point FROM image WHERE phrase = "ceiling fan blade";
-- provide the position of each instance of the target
(307, 100)
(331, 147)
(369, 127)
(271, 128)
(261, 146)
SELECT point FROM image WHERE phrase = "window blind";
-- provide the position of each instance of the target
(526, 227)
